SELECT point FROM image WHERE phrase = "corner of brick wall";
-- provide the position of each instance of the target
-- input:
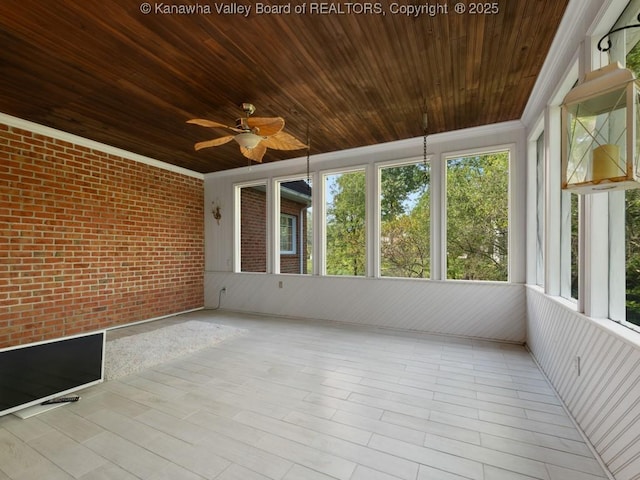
(90, 240)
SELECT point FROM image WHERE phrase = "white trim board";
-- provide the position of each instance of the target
(85, 142)
(407, 148)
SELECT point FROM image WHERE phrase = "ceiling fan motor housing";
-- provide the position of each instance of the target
(248, 108)
(241, 124)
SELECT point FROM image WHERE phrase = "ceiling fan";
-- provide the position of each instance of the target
(253, 134)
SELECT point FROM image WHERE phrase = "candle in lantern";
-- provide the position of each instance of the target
(605, 162)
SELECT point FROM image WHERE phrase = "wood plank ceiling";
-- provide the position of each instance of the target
(111, 73)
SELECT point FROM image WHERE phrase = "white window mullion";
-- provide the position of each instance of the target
(237, 195)
(370, 213)
(594, 260)
(376, 227)
(438, 213)
(273, 225)
(617, 256)
(553, 205)
(274, 229)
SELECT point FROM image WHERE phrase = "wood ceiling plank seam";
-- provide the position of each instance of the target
(513, 84)
(459, 46)
(326, 88)
(509, 36)
(427, 85)
(378, 98)
(543, 32)
(78, 72)
(439, 57)
(409, 69)
(305, 62)
(491, 53)
(156, 51)
(452, 91)
(437, 97)
(172, 73)
(476, 40)
(29, 92)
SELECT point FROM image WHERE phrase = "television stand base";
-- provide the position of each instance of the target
(38, 409)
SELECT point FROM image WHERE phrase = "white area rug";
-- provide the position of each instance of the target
(127, 355)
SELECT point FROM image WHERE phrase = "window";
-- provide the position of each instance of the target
(405, 207)
(344, 222)
(632, 224)
(478, 216)
(540, 210)
(252, 228)
(632, 256)
(569, 238)
(295, 228)
(288, 234)
(624, 207)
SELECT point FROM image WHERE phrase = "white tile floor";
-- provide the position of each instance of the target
(297, 400)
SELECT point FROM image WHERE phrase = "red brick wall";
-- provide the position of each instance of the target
(90, 240)
(253, 230)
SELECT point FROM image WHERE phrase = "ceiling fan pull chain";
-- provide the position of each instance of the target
(425, 123)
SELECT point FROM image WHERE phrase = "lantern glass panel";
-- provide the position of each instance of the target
(597, 130)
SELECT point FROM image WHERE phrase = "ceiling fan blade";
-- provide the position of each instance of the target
(211, 124)
(266, 126)
(283, 141)
(255, 153)
(213, 143)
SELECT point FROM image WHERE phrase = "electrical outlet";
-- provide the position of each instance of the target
(280, 284)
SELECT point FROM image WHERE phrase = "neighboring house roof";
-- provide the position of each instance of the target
(298, 191)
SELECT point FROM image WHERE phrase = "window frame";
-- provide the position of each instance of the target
(237, 223)
(276, 184)
(540, 153)
(511, 181)
(377, 231)
(617, 202)
(322, 221)
(294, 234)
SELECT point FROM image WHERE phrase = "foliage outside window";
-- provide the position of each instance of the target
(569, 237)
(626, 223)
(405, 221)
(632, 226)
(345, 235)
(632, 255)
(478, 217)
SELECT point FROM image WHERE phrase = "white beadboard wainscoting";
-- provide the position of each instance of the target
(472, 309)
(595, 367)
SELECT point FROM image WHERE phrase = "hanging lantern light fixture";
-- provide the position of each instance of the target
(601, 131)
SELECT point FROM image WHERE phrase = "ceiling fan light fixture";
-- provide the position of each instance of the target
(248, 140)
(254, 135)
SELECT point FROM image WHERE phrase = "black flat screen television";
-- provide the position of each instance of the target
(33, 373)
